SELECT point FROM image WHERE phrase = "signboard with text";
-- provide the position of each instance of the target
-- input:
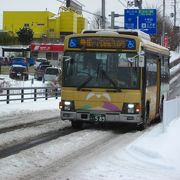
(74, 5)
(130, 16)
(142, 19)
(102, 43)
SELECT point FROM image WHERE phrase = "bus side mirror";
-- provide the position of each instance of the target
(66, 58)
(141, 59)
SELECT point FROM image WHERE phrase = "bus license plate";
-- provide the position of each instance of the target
(97, 117)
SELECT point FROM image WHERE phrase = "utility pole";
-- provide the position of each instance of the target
(175, 2)
(103, 14)
(113, 16)
(138, 3)
(112, 20)
(163, 27)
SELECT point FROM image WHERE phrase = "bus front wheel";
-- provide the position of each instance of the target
(145, 123)
(77, 124)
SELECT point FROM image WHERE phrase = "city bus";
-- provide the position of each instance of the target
(127, 84)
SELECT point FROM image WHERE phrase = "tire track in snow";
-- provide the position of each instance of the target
(34, 141)
(28, 124)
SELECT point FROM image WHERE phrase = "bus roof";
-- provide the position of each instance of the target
(133, 32)
(145, 42)
(148, 45)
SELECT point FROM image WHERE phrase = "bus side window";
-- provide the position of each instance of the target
(151, 70)
(164, 70)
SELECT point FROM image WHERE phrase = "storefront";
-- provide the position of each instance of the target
(52, 52)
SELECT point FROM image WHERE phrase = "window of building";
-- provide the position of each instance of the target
(51, 30)
(55, 56)
(52, 55)
(40, 24)
(26, 25)
(48, 55)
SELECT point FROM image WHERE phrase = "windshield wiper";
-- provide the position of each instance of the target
(111, 81)
(84, 83)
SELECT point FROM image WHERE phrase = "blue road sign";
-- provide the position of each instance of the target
(143, 19)
(130, 16)
(147, 20)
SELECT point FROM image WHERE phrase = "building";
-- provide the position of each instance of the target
(52, 52)
(44, 23)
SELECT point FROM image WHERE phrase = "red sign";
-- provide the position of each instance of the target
(47, 47)
(166, 41)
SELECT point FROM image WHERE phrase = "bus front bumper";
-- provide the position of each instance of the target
(100, 117)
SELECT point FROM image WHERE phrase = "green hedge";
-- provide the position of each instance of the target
(7, 39)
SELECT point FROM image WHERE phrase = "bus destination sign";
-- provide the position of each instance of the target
(102, 43)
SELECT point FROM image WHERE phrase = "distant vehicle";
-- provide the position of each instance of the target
(39, 71)
(38, 61)
(18, 72)
(31, 61)
(19, 61)
(52, 74)
(4, 61)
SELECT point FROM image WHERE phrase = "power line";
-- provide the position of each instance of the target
(91, 13)
(86, 11)
(122, 3)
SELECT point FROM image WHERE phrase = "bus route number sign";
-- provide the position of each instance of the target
(102, 43)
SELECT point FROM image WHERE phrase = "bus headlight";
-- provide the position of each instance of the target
(131, 108)
(67, 105)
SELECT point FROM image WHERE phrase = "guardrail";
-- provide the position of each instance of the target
(28, 93)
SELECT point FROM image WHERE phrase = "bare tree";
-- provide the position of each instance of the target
(172, 34)
(96, 21)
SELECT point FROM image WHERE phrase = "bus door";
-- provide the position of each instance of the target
(152, 84)
(158, 85)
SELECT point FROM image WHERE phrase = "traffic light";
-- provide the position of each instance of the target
(138, 3)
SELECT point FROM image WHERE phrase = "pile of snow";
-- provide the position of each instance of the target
(173, 56)
(15, 107)
(158, 148)
(15, 83)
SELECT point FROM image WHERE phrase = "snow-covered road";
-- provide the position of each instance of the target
(96, 152)
(40, 161)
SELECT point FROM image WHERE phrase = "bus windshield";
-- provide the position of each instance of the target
(114, 70)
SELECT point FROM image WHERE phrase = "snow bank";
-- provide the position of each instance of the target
(157, 148)
(174, 55)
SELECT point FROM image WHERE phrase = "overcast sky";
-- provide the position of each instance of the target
(91, 5)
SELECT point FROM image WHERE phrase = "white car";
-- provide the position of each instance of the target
(39, 61)
(52, 74)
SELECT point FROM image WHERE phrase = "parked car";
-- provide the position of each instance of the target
(19, 72)
(4, 61)
(39, 71)
(52, 74)
(38, 61)
(19, 61)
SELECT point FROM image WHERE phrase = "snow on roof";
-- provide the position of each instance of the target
(17, 65)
